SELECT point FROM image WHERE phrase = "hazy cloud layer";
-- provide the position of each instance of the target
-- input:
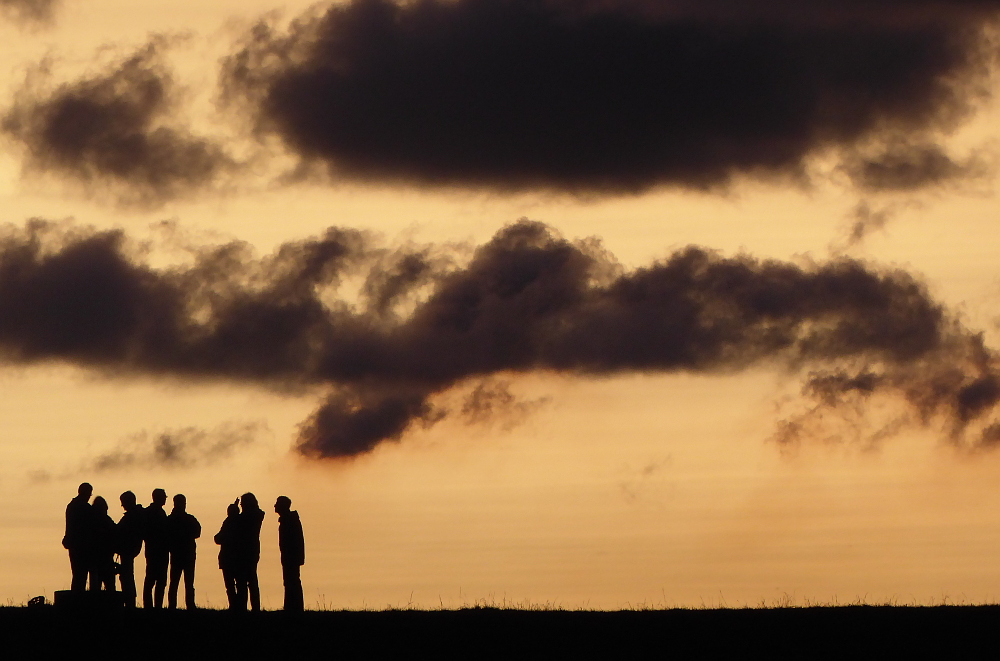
(113, 131)
(34, 11)
(527, 300)
(176, 448)
(614, 96)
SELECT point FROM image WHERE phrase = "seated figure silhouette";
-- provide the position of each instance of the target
(227, 540)
(292, 545)
(248, 552)
(182, 531)
(154, 530)
(78, 539)
(103, 547)
(129, 544)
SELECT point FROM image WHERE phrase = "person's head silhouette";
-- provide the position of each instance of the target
(180, 502)
(283, 505)
(84, 490)
(127, 500)
(159, 497)
(234, 508)
(100, 505)
(249, 502)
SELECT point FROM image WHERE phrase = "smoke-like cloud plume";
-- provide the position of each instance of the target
(176, 448)
(30, 11)
(114, 131)
(615, 96)
(424, 322)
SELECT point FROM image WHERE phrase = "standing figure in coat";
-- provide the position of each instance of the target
(157, 550)
(182, 531)
(227, 539)
(292, 545)
(129, 544)
(103, 547)
(248, 552)
(79, 536)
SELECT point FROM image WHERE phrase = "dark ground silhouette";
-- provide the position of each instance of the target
(807, 633)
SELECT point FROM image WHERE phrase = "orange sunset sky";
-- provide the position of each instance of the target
(655, 487)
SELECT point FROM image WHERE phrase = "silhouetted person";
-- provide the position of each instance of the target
(129, 544)
(154, 534)
(227, 539)
(248, 552)
(103, 547)
(78, 539)
(292, 545)
(182, 531)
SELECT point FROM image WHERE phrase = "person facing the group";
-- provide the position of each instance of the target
(228, 540)
(78, 539)
(182, 531)
(292, 546)
(129, 544)
(157, 551)
(248, 555)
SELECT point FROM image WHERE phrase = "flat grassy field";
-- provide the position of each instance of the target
(844, 632)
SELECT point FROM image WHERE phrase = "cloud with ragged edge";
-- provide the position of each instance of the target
(600, 97)
(115, 132)
(527, 301)
(617, 96)
(185, 447)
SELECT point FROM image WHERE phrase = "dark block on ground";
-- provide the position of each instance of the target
(89, 601)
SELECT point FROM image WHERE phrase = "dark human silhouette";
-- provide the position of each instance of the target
(129, 544)
(227, 539)
(157, 551)
(292, 545)
(103, 547)
(78, 539)
(182, 531)
(248, 552)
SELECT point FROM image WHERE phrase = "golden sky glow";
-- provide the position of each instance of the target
(654, 490)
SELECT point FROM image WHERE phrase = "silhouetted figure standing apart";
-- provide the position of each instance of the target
(78, 539)
(103, 547)
(292, 545)
(248, 552)
(129, 544)
(227, 540)
(154, 533)
(182, 529)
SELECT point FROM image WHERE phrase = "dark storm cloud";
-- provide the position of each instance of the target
(612, 96)
(112, 131)
(176, 448)
(526, 301)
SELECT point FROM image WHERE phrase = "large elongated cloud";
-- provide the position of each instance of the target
(424, 322)
(613, 96)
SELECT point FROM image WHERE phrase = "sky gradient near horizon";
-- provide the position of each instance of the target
(589, 472)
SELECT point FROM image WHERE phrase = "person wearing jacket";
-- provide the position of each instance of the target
(248, 552)
(103, 546)
(227, 539)
(129, 535)
(292, 546)
(182, 532)
(78, 539)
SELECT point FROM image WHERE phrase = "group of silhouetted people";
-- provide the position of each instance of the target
(93, 540)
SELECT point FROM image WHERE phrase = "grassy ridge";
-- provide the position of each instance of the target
(816, 632)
